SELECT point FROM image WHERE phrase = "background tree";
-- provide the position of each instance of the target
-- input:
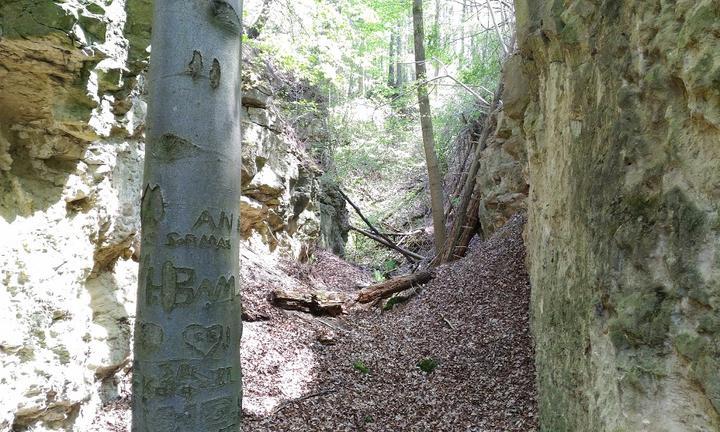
(187, 366)
(254, 31)
(428, 136)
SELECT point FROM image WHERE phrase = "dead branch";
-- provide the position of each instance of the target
(285, 404)
(447, 322)
(376, 235)
(409, 254)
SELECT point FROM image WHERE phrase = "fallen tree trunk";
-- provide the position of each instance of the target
(392, 286)
(409, 254)
(316, 303)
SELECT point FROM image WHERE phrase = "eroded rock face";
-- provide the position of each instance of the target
(69, 180)
(72, 107)
(280, 182)
(618, 107)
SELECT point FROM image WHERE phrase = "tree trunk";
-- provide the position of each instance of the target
(401, 76)
(254, 31)
(392, 55)
(436, 192)
(462, 34)
(436, 31)
(455, 248)
(316, 302)
(187, 333)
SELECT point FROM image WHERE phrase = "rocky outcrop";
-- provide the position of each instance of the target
(617, 107)
(334, 218)
(71, 152)
(280, 182)
(70, 175)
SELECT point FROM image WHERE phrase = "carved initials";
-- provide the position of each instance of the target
(223, 222)
(207, 340)
(184, 379)
(190, 240)
(176, 288)
(219, 413)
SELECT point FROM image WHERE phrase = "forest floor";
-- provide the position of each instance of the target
(468, 328)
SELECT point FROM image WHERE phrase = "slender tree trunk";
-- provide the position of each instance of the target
(462, 34)
(254, 31)
(351, 84)
(392, 55)
(436, 192)
(186, 374)
(401, 76)
(501, 39)
(436, 30)
(362, 81)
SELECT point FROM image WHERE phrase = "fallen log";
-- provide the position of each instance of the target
(316, 303)
(392, 286)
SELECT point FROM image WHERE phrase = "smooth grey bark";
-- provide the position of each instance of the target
(436, 192)
(186, 374)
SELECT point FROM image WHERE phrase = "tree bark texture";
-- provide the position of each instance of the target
(436, 192)
(400, 75)
(187, 332)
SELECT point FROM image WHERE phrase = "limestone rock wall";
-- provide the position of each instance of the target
(617, 104)
(69, 178)
(71, 151)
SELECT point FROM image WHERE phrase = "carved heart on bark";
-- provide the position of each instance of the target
(203, 339)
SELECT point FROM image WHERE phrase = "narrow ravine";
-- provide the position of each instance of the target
(470, 322)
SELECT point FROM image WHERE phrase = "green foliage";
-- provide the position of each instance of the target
(342, 47)
(427, 364)
(390, 265)
(378, 276)
(359, 366)
(392, 301)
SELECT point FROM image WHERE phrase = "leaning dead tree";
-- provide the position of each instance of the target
(409, 254)
(466, 223)
(186, 374)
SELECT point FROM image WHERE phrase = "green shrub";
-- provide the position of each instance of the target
(359, 366)
(427, 364)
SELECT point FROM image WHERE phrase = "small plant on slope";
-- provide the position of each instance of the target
(427, 364)
(359, 366)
